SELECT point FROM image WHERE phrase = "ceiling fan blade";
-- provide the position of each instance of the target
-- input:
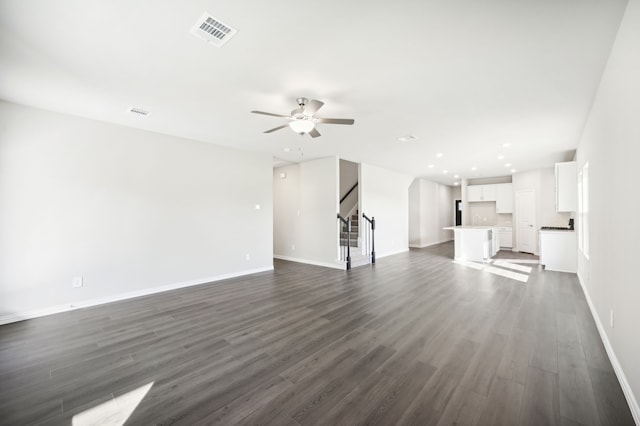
(314, 133)
(312, 107)
(336, 120)
(271, 114)
(276, 128)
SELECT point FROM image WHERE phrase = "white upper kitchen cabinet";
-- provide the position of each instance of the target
(504, 198)
(474, 193)
(566, 187)
(489, 192)
(477, 193)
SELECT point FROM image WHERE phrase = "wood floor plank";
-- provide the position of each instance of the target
(577, 401)
(464, 408)
(503, 403)
(541, 403)
(415, 339)
(610, 401)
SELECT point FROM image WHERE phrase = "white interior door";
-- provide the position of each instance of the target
(526, 221)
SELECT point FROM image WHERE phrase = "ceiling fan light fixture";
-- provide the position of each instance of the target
(302, 126)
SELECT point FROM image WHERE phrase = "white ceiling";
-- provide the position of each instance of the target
(465, 77)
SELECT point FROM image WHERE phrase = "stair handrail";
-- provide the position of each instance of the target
(372, 223)
(347, 223)
(348, 192)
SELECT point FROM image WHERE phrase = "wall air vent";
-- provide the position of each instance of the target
(139, 111)
(212, 30)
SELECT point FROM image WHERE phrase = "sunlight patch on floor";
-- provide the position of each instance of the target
(532, 261)
(113, 412)
(497, 271)
(506, 264)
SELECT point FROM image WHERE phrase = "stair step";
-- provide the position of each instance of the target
(352, 236)
(360, 262)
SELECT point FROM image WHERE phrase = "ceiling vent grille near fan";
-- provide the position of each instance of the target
(139, 111)
(212, 30)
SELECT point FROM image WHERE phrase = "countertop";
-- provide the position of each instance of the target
(560, 231)
(454, 228)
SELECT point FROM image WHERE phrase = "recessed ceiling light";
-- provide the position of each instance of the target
(407, 138)
(431, 166)
(500, 157)
(513, 170)
(456, 183)
(506, 145)
(286, 149)
(445, 171)
(439, 155)
(456, 176)
(508, 165)
(474, 168)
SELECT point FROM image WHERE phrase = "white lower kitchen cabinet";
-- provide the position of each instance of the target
(506, 237)
(558, 251)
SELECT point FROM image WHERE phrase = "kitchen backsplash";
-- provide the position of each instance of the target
(504, 219)
(482, 214)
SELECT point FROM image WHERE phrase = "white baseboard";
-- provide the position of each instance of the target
(337, 265)
(391, 253)
(429, 244)
(624, 383)
(21, 316)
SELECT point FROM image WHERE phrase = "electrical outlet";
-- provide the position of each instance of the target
(611, 318)
(77, 282)
(247, 257)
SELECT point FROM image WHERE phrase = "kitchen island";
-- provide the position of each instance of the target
(475, 243)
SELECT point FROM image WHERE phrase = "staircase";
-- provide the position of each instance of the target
(353, 241)
(357, 258)
(361, 242)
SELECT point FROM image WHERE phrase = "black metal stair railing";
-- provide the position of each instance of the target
(345, 250)
(369, 237)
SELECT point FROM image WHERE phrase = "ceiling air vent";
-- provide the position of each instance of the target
(139, 111)
(212, 30)
(407, 138)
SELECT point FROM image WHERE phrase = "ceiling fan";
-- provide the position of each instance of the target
(303, 120)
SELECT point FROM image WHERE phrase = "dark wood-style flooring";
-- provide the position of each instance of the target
(415, 339)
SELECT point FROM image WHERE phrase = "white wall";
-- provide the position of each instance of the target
(415, 214)
(610, 144)
(385, 195)
(128, 210)
(348, 178)
(446, 215)
(305, 206)
(431, 209)
(456, 193)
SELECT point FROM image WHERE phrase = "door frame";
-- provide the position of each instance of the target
(457, 203)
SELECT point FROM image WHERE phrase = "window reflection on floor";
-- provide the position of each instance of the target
(113, 412)
(503, 267)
